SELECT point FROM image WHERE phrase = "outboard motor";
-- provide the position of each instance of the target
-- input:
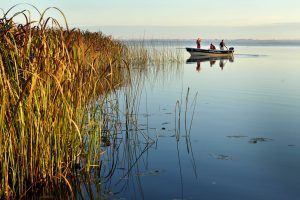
(231, 49)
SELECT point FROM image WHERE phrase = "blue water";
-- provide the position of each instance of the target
(244, 140)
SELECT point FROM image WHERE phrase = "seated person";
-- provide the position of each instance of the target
(212, 47)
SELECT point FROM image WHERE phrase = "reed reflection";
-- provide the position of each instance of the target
(212, 61)
(125, 162)
(124, 166)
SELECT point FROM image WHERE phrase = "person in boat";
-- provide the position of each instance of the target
(222, 45)
(198, 42)
(212, 47)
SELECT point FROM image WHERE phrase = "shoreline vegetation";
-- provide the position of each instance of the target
(57, 99)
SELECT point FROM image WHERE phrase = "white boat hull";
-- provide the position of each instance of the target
(208, 52)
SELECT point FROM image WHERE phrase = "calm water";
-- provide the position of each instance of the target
(244, 140)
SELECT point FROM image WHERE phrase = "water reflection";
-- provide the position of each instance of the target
(126, 168)
(216, 153)
(212, 61)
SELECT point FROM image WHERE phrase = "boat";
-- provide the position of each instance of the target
(209, 52)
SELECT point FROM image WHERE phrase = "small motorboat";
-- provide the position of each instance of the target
(209, 52)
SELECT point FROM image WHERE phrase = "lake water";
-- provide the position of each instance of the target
(238, 136)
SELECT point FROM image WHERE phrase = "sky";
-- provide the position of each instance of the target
(252, 19)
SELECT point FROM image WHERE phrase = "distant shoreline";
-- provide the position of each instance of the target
(283, 31)
(233, 42)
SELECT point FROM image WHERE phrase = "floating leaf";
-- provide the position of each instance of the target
(160, 135)
(237, 136)
(259, 139)
(149, 173)
(221, 156)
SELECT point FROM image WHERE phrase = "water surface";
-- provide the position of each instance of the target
(239, 133)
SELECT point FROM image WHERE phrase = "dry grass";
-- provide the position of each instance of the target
(145, 53)
(49, 78)
(56, 102)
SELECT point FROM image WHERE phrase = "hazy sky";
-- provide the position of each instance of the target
(226, 14)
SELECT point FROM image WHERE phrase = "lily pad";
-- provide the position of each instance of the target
(160, 135)
(237, 136)
(168, 113)
(221, 156)
(149, 173)
(259, 139)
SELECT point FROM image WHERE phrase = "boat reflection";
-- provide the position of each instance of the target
(212, 61)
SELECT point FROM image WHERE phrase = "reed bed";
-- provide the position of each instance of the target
(144, 53)
(50, 79)
(59, 102)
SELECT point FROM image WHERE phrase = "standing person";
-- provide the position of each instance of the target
(198, 42)
(222, 45)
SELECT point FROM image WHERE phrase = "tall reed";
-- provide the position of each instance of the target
(152, 52)
(50, 78)
(57, 110)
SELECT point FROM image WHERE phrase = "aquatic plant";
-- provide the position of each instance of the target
(54, 104)
(59, 105)
(151, 52)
